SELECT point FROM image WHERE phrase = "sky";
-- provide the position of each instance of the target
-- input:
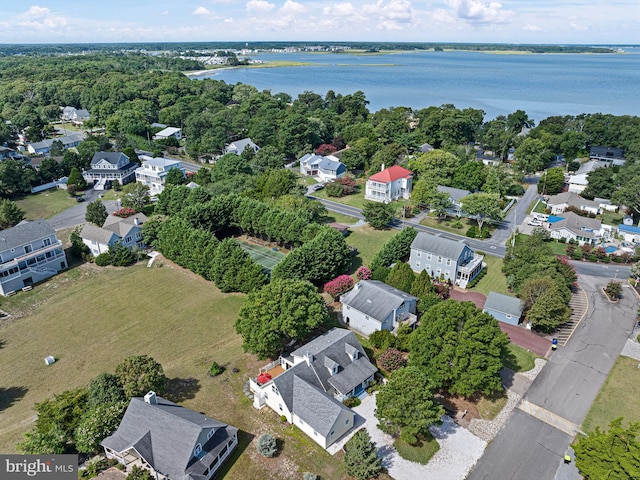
(480, 21)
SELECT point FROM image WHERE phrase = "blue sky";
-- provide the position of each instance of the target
(505, 21)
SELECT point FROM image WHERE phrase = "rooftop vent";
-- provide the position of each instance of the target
(150, 398)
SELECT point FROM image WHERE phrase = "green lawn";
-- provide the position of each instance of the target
(91, 318)
(368, 241)
(45, 204)
(490, 407)
(447, 224)
(556, 247)
(537, 207)
(419, 454)
(518, 359)
(611, 218)
(618, 396)
(355, 200)
(494, 280)
(339, 218)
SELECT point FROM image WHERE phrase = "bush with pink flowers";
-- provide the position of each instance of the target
(124, 212)
(339, 285)
(391, 360)
(363, 273)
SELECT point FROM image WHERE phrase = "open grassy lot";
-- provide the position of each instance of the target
(494, 280)
(490, 406)
(556, 247)
(91, 318)
(339, 218)
(618, 396)
(448, 224)
(45, 204)
(368, 241)
(518, 359)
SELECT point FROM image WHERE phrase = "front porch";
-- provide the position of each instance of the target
(469, 271)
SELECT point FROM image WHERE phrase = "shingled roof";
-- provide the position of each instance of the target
(23, 233)
(374, 298)
(165, 435)
(438, 245)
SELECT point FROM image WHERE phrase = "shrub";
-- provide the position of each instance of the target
(124, 212)
(215, 369)
(382, 339)
(613, 289)
(472, 232)
(103, 260)
(334, 189)
(309, 476)
(138, 473)
(363, 273)
(403, 337)
(283, 418)
(380, 274)
(391, 360)
(267, 446)
(339, 285)
(352, 402)
(457, 224)
(478, 277)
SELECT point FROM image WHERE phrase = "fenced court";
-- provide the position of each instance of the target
(265, 256)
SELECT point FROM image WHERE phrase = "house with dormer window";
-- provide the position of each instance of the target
(127, 231)
(308, 386)
(109, 166)
(172, 442)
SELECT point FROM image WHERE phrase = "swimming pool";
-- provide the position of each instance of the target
(611, 249)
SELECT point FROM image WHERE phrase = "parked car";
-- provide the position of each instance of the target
(80, 199)
(534, 222)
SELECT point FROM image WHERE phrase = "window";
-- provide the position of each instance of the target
(274, 389)
(346, 422)
(448, 261)
(348, 307)
(509, 316)
(198, 450)
(428, 256)
(210, 434)
(367, 317)
(127, 239)
(301, 421)
(417, 264)
(46, 242)
(315, 434)
(331, 434)
(419, 253)
(439, 259)
(27, 249)
(280, 406)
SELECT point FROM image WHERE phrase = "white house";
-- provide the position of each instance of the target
(443, 258)
(571, 226)
(75, 115)
(630, 233)
(579, 181)
(389, 184)
(238, 146)
(171, 441)
(109, 166)
(30, 252)
(308, 387)
(127, 231)
(559, 203)
(327, 168)
(372, 305)
(168, 132)
(153, 172)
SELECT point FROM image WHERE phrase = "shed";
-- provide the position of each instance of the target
(503, 308)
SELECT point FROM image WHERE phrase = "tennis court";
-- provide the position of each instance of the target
(262, 255)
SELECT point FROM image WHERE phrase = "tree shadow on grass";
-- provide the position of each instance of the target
(11, 395)
(181, 389)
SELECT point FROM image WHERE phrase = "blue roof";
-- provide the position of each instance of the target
(554, 219)
(628, 228)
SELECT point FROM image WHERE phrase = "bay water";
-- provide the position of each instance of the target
(541, 84)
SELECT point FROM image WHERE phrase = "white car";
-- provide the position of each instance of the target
(534, 222)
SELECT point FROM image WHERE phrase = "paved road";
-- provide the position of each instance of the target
(486, 246)
(529, 448)
(75, 215)
(517, 213)
(611, 270)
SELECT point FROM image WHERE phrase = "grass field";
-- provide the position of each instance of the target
(45, 204)
(339, 218)
(91, 318)
(446, 225)
(618, 397)
(518, 359)
(368, 241)
(494, 280)
(490, 407)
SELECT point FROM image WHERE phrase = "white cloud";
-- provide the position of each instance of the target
(259, 6)
(228, 20)
(396, 11)
(291, 8)
(577, 26)
(340, 10)
(480, 12)
(201, 11)
(41, 18)
(532, 28)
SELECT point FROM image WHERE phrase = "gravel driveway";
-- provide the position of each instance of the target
(459, 449)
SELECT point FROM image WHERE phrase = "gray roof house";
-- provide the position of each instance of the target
(372, 305)
(607, 155)
(171, 441)
(308, 386)
(326, 168)
(238, 146)
(109, 166)
(559, 203)
(44, 147)
(571, 226)
(455, 197)
(30, 252)
(443, 258)
(503, 308)
(127, 231)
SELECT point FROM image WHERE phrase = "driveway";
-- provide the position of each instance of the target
(459, 449)
(75, 215)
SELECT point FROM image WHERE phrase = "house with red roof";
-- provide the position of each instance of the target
(389, 184)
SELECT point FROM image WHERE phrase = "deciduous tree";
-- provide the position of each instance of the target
(140, 374)
(378, 215)
(98, 422)
(277, 313)
(96, 213)
(136, 196)
(482, 206)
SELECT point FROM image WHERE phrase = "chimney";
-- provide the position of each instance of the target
(308, 357)
(136, 221)
(382, 168)
(150, 398)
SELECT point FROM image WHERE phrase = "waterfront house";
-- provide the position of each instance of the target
(607, 156)
(44, 147)
(168, 132)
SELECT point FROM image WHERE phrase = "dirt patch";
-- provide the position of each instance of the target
(461, 409)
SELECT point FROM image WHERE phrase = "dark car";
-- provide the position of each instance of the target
(79, 199)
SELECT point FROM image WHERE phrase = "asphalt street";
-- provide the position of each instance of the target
(75, 215)
(527, 447)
